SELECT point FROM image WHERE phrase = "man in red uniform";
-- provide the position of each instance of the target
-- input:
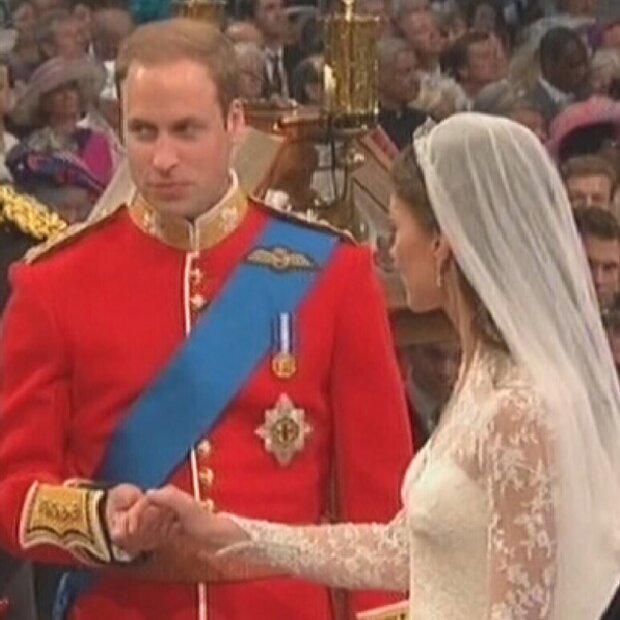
(197, 337)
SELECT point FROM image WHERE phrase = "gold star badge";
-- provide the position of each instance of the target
(284, 431)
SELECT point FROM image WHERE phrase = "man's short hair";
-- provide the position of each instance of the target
(456, 58)
(45, 28)
(590, 165)
(553, 44)
(388, 49)
(597, 222)
(167, 41)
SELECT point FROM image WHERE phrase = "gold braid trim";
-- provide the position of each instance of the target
(29, 215)
(66, 517)
(304, 220)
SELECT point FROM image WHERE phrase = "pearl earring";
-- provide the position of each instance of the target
(439, 279)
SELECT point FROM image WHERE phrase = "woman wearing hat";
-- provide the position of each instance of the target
(58, 94)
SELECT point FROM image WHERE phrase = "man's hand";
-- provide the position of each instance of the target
(135, 525)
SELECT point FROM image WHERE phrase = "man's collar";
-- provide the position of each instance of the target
(558, 96)
(209, 229)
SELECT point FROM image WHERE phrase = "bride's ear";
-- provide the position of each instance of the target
(443, 253)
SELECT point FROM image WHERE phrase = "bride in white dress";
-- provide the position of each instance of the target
(511, 511)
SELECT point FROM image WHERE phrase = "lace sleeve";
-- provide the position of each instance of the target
(352, 556)
(521, 537)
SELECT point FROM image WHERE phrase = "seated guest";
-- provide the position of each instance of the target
(606, 72)
(58, 180)
(421, 32)
(584, 128)
(270, 18)
(307, 81)
(398, 86)
(26, 56)
(242, 31)
(58, 94)
(600, 235)
(430, 370)
(564, 71)
(476, 60)
(502, 98)
(61, 35)
(251, 59)
(590, 180)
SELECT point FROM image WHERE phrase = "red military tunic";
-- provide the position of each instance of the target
(92, 324)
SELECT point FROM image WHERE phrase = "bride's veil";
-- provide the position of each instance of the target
(501, 204)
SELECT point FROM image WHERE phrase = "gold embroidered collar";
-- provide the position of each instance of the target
(206, 231)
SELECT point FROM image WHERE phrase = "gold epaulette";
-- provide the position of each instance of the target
(68, 235)
(29, 215)
(306, 220)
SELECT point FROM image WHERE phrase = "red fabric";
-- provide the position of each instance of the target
(91, 325)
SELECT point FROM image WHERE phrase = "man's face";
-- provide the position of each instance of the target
(434, 368)
(400, 83)
(590, 190)
(110, 27)
(571, 72)
(270, 17)
(178, 140)
(604, 259)
(486, 62)
(70, 40)
(421, 32)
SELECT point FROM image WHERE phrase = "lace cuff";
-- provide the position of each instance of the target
(351, 556)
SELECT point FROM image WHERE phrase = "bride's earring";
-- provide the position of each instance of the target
(439, 278)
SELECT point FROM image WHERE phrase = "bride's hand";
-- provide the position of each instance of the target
(205, 528)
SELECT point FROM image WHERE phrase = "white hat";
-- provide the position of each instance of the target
(89, 75)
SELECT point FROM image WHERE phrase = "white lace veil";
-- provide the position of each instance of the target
(501, 204)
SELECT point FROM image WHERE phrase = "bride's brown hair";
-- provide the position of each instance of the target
(410, 188)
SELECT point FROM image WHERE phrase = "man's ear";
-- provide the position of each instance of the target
(235, 117)
(235, 120)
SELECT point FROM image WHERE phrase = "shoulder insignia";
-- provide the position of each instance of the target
(307, 219)
(69, 234)
(28, 215)
(281, 259)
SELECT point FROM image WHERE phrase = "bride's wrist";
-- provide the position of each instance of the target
(227, 532)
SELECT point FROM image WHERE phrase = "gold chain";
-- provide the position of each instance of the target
(29, 215)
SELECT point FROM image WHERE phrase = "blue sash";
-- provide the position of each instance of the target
(220, 355)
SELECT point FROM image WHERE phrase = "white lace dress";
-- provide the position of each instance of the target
(475, 539)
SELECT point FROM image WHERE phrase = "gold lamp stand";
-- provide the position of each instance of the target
(205, 10)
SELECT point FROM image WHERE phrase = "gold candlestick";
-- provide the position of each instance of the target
(205, 10)
(350, 72)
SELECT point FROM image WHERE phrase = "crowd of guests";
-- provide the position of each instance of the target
(554, 68)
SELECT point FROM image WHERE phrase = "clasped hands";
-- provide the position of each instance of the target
(139, 521)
